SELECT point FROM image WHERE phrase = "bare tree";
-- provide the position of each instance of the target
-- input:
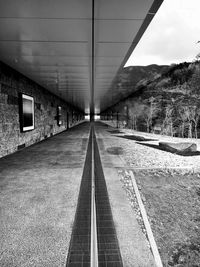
(168, 120)
(193, 115)
(135, 111)
(195, 119)
(150, 111)
(189, 116)
(182, 112)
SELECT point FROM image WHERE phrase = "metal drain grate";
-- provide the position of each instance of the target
(108, 248)
(79, 251)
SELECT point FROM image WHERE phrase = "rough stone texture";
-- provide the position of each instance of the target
(11, 84)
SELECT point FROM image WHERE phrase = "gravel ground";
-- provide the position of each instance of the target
(128, 187)
(140, 155)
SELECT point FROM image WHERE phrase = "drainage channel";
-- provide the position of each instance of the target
(94, 240)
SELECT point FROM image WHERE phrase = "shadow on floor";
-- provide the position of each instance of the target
(195, 153)
(115, 150)
(137, 138)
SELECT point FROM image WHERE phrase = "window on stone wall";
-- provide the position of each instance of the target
(26, 113)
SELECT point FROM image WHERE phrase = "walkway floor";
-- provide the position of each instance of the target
(39, 189)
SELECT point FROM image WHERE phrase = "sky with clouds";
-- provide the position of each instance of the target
(171, 36)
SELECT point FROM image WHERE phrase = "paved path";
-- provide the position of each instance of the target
(39, 188)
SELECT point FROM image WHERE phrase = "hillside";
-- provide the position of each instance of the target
(162, 98)
(130, 77)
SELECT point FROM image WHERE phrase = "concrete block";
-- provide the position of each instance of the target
(182, 147)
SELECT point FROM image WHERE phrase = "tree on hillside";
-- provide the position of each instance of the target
(168, 120)
(136, 109)
(150, 111)
(179, 73)
(193, 115)
(183, 116)
(195, 120)
(189, 115)
(195, 81)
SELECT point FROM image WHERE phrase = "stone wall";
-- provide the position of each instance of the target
(12, 139)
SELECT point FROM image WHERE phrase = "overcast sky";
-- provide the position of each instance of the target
(171, 36)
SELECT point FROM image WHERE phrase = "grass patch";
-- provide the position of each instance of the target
(173, 206)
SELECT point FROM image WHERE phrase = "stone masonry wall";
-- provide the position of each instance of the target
(11, 84)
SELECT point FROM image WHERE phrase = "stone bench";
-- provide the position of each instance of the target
(179, 148)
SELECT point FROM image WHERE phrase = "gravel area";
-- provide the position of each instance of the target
(141, 155)
(128, 187)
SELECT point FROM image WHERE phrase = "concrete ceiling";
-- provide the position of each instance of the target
(74, 48)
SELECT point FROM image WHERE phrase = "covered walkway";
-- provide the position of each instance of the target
(59, 63)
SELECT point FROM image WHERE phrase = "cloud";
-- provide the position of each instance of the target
(172, 35)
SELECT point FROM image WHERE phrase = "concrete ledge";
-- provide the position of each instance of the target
(150, 236)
